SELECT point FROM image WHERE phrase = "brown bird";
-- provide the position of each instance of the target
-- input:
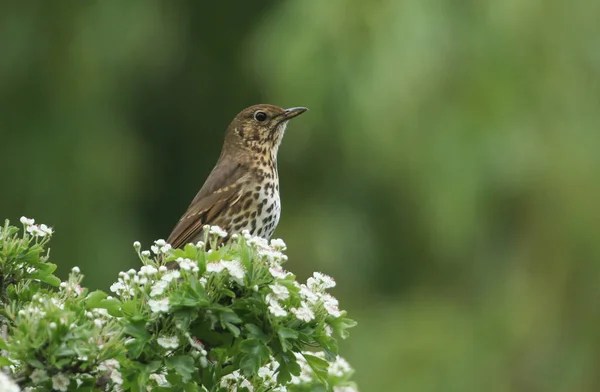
(242, 191)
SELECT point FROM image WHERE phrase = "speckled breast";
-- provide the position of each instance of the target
(258, 209)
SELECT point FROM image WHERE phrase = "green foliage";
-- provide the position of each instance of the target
(227, 318)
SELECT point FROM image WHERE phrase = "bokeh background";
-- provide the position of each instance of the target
(447, 174)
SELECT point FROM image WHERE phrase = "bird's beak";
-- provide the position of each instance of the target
(292, 112)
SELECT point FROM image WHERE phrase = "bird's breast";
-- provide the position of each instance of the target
(258, 209)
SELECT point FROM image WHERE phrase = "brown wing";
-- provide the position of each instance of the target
(222, 189)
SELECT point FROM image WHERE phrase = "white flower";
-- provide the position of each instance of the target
(276, 309)
(279, 291)
(278, 272)
(328, 330)
(171, 275)
(168, 342)
(165, 249)
(266, 372)
(98, 323)
(231, 380)
(7, 384)
(259, 243)
(109, 364)
(339, 367)
(196, 343)
(247, 384)
(117, 286)
(321, 280)
(332, 309)
(116, 377)
(162, 268)
(148, 270)
(235, 269)
(146, 253)
(52, 325)
(35, 231)
(158, 288)
(303, 313)
(344, 388)
(215, 266)
(160, 380)
(278, 244)
(329, 299)
(60, 382)
(27, 221)
(274, 256)
(46, 230)
(131, 272)
(137, 245)
(218, 231)
(200, 244)
(187, 264)
(308, 294)
(38, 376)
(160, 246)
(159, 306)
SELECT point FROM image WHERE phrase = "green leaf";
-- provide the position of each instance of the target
(319, 366)
(256, 332)
(46, 278)
(340, 325)
(256, 355)
(287, 367)
(227, 293)
(193, 296)
(45, 267)
(113, 306)
(229, 316)
(35, 363)
(183, 365)
(93, 299)
(137, 330)
(5, 361)
(329, 346)
(287, 333)
(233, 329)
(3, 344)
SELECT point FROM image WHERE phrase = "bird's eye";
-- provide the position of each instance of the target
(260, 116)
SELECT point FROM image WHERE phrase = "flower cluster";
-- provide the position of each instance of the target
(36, 230)
(338, 374)
(206, 317)
(62, 328)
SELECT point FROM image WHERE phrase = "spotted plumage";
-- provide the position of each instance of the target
(242, 191)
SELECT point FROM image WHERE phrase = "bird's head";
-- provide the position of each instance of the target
(259, 129)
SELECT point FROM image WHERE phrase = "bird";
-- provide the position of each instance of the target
(242, 190)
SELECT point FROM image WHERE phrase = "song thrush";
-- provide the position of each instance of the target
(242, 191)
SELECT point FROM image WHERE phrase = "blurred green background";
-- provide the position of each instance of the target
(447, 174)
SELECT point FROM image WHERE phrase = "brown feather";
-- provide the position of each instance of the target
(221, 191)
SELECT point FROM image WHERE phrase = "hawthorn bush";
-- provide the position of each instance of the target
(229, 318)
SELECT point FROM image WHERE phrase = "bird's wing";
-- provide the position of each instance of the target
(222, 190)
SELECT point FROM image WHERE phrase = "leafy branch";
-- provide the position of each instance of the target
(228, 318)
